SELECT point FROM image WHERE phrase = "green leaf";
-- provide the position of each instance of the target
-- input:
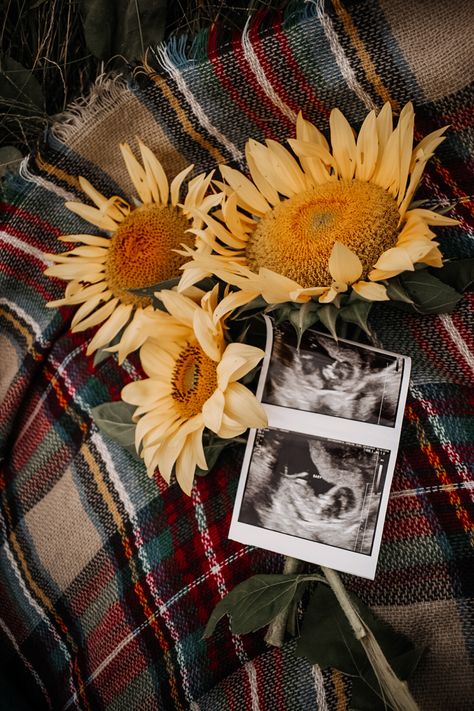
(327, 639)
(357, 312)
(304, 317)
(255, 602)
(328, 314)
(149, 291)
(115, 420)
(459, 273)
(365, 692)
(429, 294)
(20, 85)
(396, 291)
(125, 27)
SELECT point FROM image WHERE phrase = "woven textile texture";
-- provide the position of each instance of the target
(107, 578)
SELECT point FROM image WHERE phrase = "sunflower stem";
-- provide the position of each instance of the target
(393, 689)
(276, 629)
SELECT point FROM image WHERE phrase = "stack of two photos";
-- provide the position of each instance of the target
(315, 484)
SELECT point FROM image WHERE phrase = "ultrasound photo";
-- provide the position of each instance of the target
(333, 378)
(319, 489)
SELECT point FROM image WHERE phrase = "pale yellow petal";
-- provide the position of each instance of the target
(92, 240)
(207, 335)
(431, 218)
(171, 448)
(156, 362)
(233, 301)
(156, 176)
(370, 291)
(142, 392)
(82, 294)
(111, 327)
(97, 317)
(238, 360)
(343, 144)
(263, 185)
(249, 196)
(84, 310)
(367, 148)
(137, 174)
(406, 124)
(178, 305)
(284, 163)
(384, 126)
(81, 270)
(344, 265)
(433, 258)
(92, 215)
(275, 288)
(242, 406)
(176, 184)
(230, 428)
(213, 409)
(394, 258)
(306, 131)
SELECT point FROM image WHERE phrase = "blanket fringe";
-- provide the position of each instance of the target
(101, 100)
(183, 52)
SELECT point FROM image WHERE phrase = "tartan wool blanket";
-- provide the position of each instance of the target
(107, 577)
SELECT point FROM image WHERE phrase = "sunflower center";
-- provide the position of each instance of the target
(295, 239)
(194, 380)
(140, 253)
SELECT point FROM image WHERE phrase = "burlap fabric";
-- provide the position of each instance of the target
(106, 577)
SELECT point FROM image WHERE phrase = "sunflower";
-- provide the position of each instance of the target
(137, 250)
(325, 221)
(192, 385)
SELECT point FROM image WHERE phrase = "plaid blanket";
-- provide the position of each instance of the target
(107, 577)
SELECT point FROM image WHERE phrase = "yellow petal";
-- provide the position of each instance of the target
(92, 240)
(306, 131)
(384, 126)
(406, 124)
(156, 176)
(433, 258)
(176, 184)
(344, 265)
(84, 310)
(394, 258)
(367, 148)
(343, 144)
(213, 409)
(97, 317)
(238, 360)
(81, 294)
(242, 406)
(230, 428)
(92, 215)
(111, 327)
(171, 448)
(233, 301)
(206, 335)
(137, 174)
(249, 197)
(371, 291)
(432, 218)
(284, 163)
(263, 185)
(178, 305)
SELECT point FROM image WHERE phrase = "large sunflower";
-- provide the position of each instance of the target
(136, 250)
(331, 219)
(192, 385)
